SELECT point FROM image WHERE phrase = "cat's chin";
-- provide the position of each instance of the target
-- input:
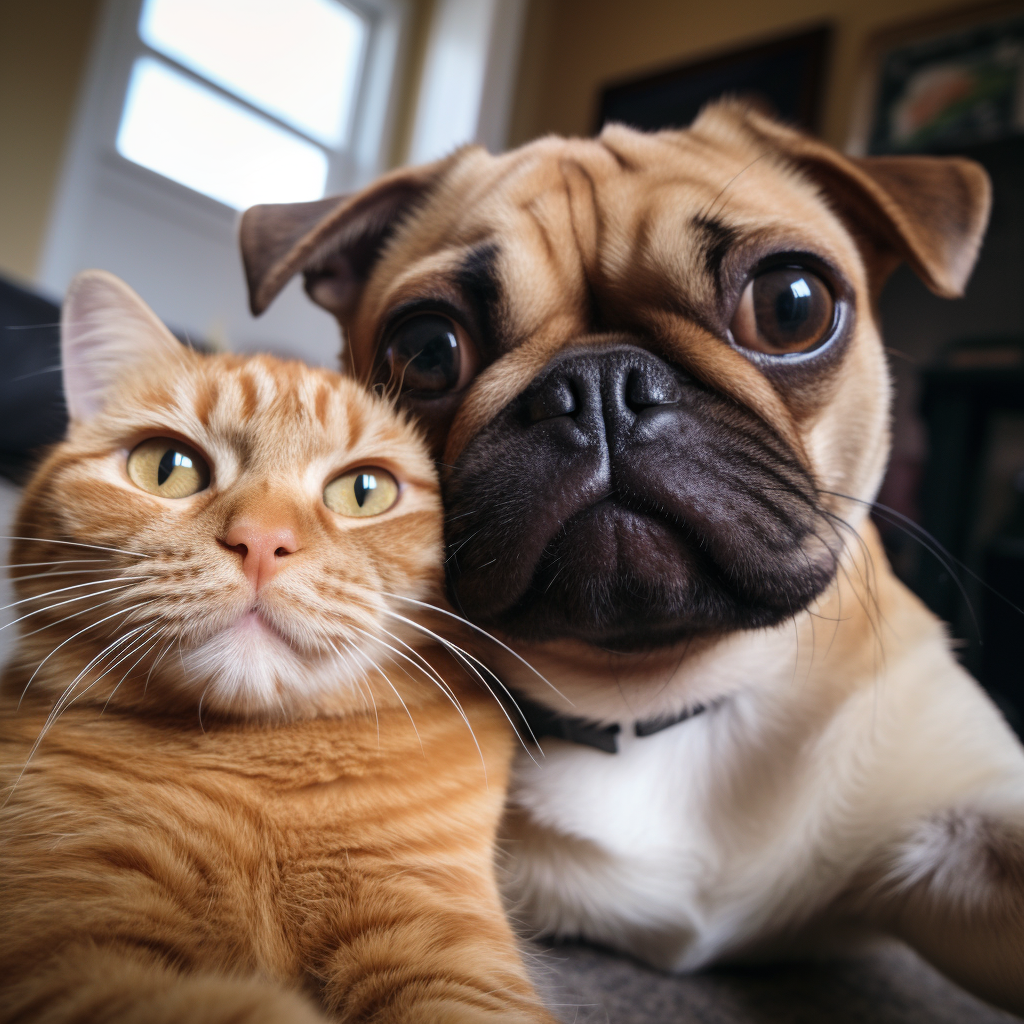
(251, 668)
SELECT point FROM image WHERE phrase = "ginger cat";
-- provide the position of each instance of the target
(220, 804)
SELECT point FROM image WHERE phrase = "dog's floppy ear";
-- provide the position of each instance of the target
(334, 242)
(930, 211)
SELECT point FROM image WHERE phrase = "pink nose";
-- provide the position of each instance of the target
(263, 549)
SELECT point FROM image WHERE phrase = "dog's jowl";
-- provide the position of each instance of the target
(651, 370)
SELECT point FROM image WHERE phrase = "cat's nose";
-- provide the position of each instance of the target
(263, 549)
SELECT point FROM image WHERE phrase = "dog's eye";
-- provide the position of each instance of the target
(784, 310)
(428, 353)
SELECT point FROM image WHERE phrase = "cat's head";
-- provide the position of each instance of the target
(236, 530)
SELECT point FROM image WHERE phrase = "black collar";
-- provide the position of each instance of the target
(543, 721)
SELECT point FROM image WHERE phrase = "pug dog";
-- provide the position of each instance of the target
(651, 369)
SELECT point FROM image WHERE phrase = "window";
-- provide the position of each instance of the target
(245, 101)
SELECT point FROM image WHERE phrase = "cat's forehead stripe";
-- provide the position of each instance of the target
(262, 413)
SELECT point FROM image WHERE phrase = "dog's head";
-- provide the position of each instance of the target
(649, 363)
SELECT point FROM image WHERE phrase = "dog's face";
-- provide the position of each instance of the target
(649, 364)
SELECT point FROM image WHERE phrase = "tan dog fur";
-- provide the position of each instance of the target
(852, 779)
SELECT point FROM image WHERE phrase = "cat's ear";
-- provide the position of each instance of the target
(105, 329)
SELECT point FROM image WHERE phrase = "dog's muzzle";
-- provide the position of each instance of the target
(618, 501)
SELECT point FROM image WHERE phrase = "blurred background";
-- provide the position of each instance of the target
(133, 131)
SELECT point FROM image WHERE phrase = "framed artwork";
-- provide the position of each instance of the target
(785, 75)
(944, 84)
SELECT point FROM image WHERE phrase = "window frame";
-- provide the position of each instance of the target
(357, 160)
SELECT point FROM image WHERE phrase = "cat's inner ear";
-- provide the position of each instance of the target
(105, 331)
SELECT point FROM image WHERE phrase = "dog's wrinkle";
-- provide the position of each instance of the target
(715, 240)
(478, 279)
(588, 248)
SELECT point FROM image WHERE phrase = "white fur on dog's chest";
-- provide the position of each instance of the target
(656, 870)
(746, 822)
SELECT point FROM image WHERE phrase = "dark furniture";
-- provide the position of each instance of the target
(32, 412)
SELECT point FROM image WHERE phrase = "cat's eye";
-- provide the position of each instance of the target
(784, 311)
(168, 468)
(361, 492)
(427, 354)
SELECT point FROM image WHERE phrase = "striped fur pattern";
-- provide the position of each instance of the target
(228, 801)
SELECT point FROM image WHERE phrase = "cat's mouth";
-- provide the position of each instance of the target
(253, 624)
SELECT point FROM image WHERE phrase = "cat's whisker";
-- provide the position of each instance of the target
(61, 561)
(78, 544)
(156, 662)
(53, 575)
(70, 600)
(99, 622)
(394, 690)
(60, 705)
(435, 677)
(467, 659)
(74, 615)
(431, 673)
(147, 645)
(405, 707)
(421, 663)
(73, 586)
(483, 632)
(368, 690)
(94, 660)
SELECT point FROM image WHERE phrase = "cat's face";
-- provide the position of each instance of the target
(269, 510)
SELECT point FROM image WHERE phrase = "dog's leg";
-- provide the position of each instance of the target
(955, 892)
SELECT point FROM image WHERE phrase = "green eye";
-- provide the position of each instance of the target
(168, 468)
(362, 492)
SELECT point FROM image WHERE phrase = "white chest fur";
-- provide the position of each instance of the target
(745, 822)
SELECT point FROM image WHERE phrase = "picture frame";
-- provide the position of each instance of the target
(785, 75)
(942, 84)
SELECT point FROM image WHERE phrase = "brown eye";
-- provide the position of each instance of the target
(783, 311)
(168, 468)
(361, 492)
(428, 354)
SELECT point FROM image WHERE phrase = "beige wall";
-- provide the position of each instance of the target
(44, 45)
(573, 47)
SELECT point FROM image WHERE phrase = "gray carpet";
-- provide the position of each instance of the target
(589, 986)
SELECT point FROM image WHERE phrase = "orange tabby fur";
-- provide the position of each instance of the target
(300, 851)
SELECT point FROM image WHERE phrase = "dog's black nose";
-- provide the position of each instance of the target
(604, 391)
